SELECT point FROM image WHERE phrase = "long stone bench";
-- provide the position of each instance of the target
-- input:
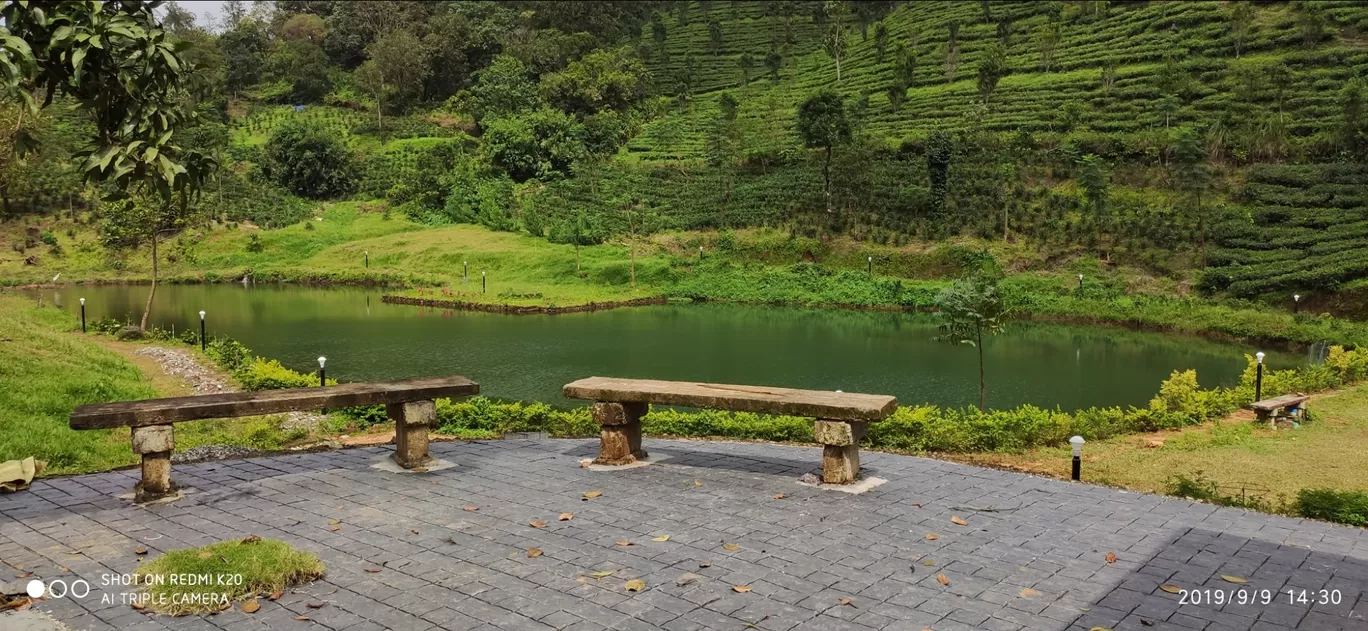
(841, 417)
(1267, 409)
(410, 403)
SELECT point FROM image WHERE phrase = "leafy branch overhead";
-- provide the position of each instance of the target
(117, 62)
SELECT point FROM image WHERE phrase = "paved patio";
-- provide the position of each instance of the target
(1038, 562)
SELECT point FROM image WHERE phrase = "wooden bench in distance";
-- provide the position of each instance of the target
(1267, 409)
(841, 416)
(409, 402)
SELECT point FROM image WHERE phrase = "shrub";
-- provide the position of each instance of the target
(108, 326)
(269, 374)
(48, 238)
(1345, 507)
(254, 244)
(309, 161)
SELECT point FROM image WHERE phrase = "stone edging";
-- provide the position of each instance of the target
(520, 310)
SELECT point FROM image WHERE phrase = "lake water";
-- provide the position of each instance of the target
(531, 357)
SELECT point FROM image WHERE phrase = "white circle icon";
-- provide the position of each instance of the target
(35, 588)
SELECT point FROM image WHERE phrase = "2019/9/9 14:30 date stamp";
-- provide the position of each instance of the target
(1255, 597)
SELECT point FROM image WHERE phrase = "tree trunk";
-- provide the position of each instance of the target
(983, 387)
(1005, 233)
(726, 199)
(826, 178)
(153, 292)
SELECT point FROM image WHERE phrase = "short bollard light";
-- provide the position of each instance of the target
(1258, 377)
(203, 343)
(322, 375)
(83, 330)
(484, 282)
(1296, 303)
(465, 269)
(1080, 281)
(700, 252)
(1077, 442)
(367, 253)
(870, 265)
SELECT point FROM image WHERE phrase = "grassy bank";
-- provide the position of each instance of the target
(50, 368)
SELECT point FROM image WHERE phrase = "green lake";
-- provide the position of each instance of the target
(531, 357)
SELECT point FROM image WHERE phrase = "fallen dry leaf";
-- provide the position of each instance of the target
(603, 573)
(339, 508)
(139, 605)
(931, 536)
(251, 606)
(470, 509)
(1028, 592)
(697, 483)
(140, 550)
(566, 516)
(275, 595)
(538, 524)
(730, 547)
(956, 520)
(940, 578)
(661, 538)
(335, 528)
(419, 470)
(251, 539)
(305, 618)
(202, 555)
(1100, 629)
(1172, 589)
(847, 602)
(780, 496)
(635, 585)
(334, 522)
(24, 575)
(534, 553)
(624, 543)
(916, 506)
(579, 580)
(316, 605)
(928, 563)
(1233, 579)
(687, 578)
(372, 570)
(705, 564)
(741, 589)
(414, 531)
(1111, 557)
(592, 494)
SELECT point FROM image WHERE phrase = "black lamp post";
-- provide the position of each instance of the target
(322, 375)
(203, 342)
(1077, 442)
(465, 269)
(1296, 303)
(869, 265)
(1258, 377)
(700, 253)
(484, 282)
(367, 253)
(83, 329)
(1080, 281)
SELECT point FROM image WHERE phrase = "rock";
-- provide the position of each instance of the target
(151, 439)
(810, 478)
(213, 452)
(837, 433)
(178, 363)
(129, 333)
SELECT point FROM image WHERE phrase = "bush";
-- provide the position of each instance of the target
(1345, 507)
(309, 161)
(269, 374)
(108, 326)
(254, 244)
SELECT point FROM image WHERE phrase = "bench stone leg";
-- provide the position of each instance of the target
(840, 450)
(411, 423)
(155, 444)
(620, 438)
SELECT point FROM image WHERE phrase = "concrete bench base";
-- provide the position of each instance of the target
(620, 432)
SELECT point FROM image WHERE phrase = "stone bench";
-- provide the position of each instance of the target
(841, 417)
(410, 403)
(1267, 409)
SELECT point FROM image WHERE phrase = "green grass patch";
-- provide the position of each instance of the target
(175, 582)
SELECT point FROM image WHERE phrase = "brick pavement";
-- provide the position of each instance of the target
(1038, 563)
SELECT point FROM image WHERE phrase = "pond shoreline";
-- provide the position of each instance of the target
(508, 309)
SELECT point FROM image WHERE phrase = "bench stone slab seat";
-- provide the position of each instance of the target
(1267, 409)
(842, 417)
(409, 402)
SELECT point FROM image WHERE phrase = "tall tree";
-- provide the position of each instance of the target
(715, 37)
(82, 50)
(1095, 180)
(904, 65)
(394, 72)
(992, 67)
(724, 149)
(1047, 37)
(1241, 19)
(950, 61)
(939, 149)
(773, 61)
(970, 310)
(1192, 179)
(747, 63)
(835, 42)
(823, 124)
(880, 41)
(244, 54)
(1353, 132)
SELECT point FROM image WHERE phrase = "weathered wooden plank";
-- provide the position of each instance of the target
(1286, 400)
(841, 406)
(234, 404)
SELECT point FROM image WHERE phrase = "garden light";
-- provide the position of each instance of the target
(1077, 442)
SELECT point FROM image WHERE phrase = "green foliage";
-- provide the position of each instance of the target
(1345, 507)
(543, 144)
(503, 88)
(970, 309)
(991, 69)
(309, 161)
(269, 374)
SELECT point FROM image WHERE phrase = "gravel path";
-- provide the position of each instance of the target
(179, 363)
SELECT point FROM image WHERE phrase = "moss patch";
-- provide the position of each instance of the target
(184, 582)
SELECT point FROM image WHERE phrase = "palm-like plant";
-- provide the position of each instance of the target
(970, 309)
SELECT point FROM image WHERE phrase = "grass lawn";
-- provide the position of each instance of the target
(50, 368)
(1235, 454)
(267, 566)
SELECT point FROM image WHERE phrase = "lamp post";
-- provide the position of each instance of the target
(1258, 377)
(203, 344)
(1080, 281)
(83, 329)
(1296, 303)
(322, 375)
(465, 269)
(869, 265)
(1077, 442)
(700, 253)
(484, 282)
(367, 253)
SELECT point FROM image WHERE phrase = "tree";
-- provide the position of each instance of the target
(869, 12)
(987, 10)
(1352, 132)
(1192, 179)
(991, 69)
(822, 124)
(774, 62)
(896, 92)
(394, 73)
(970, 309)
(304, 65)
(835, 43)
(939, 149)
(904, 65)
(952, 53)
(880, 41)
(545, 144)
(1004, 31)
(747, 63)
(244, 54)
(1095, 181)
(309, 161)
(1241, 19)
(658, 30)
(601, 80)
(715, 37)
(724, 147)
(82, 50)
(1310, 23)
(1168, 106)
(504, 87)
(1047, 38)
